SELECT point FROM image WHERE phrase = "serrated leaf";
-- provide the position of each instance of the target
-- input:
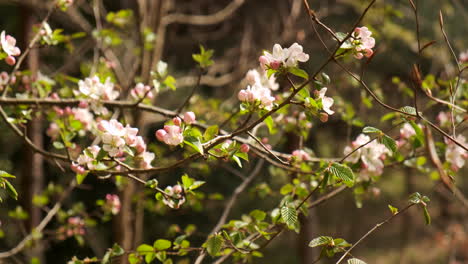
(369, 130)
(343, 172)
(214, 244)
(162, 244)
(356, 261)
(389, 143)
(299, 73)
(320, 241)
(409, 110)
(289, 216)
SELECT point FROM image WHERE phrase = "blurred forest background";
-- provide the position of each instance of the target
(238, 39)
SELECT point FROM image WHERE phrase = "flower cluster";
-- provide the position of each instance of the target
(141, 91)
(9, 47)
(173, 134)
(253, 76)
(257, 94)
(87, 159)
(174, 196)
(75, 226)
(286, 57)
(371, 155)
(300, 155)
(92, 88)
(112, 204)
(406, 132)
(455, 154)
(363, 42)
(83, 115)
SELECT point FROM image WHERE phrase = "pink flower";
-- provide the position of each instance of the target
(258, 93)
(171, 135)
(145, 159)
(176, 197)
(287, 57)
(300, 155)
(9, 45)
(141, 91)
(363, 42)
(176, 120)
(113, 203)
(189, 118)
(244, 148)
(407, 131)
(93, 89)
(455, 154)
(464, 57)
(77, 168)
(10, 60)
(53, 131)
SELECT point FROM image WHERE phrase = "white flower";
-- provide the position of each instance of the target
(93, 89)
(327, 102)
(371, 155)
(253, 76)
(407, 131)
(257, 92)
(145, 159)
(9, 45)
(288, 57)
(455, 154)
(170, 135)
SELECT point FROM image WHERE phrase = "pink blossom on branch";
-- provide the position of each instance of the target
(9, 47)
(456, 155)
(363, 42)
(286, 57)
(170, 135)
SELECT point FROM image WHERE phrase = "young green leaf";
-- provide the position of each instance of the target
(389, 143)
(343, 172)
(369, 130)
(289, 216)
(356, 261)
(321, 241)
(162, 244)
(214, 244)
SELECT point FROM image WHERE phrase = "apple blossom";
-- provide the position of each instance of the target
(407, 131)
(88, 157)
(371, 155)
(113, 203)
(176, 196)
(463, 57)
(93, 89)
(141, 91)
(170, 135)
(145, 158)
(53, 131)
(189, 118)
(327, 102)
(300, 155)
(257, 93)
(287, 57)
(9, 45)
(455, 154)
(177, 121)
(363, 42)
(253, 76)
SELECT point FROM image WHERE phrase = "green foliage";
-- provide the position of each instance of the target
(289, 216)
(356, 261)
(214, 244)
(343, 173)
(204, 57)
(5, 184)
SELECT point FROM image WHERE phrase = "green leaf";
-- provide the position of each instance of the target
(415, 198)
(133, 259)
(343, 172)
(299, 73)
(58, 145)
(144, 249)
(11, 190)
(187, 181)
(356, 261)
(195, 144)
(389, 143)
(258, 215)
(214, 244)
(162, 244)
(270, 124)
(409, 110)
(394, 210)
(196, 185)
(289, 216)
(369, 130)
(80, 177)
(320, 241)
(153, 183)
(427, 216)
(210, 132)
(117, 250)
(4, 174)
(237, 160)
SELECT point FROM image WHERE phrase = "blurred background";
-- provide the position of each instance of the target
(238, 31)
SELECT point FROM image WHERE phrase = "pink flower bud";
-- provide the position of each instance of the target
(83, 104)
(244, 148)
(68, 110)
(189, 118)
(275, 65)
(324, 117)
(10, 60)
(55, 96)
(77, 168)
(263, 61)
(58, 110)
(176, 120)
(160, 134)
